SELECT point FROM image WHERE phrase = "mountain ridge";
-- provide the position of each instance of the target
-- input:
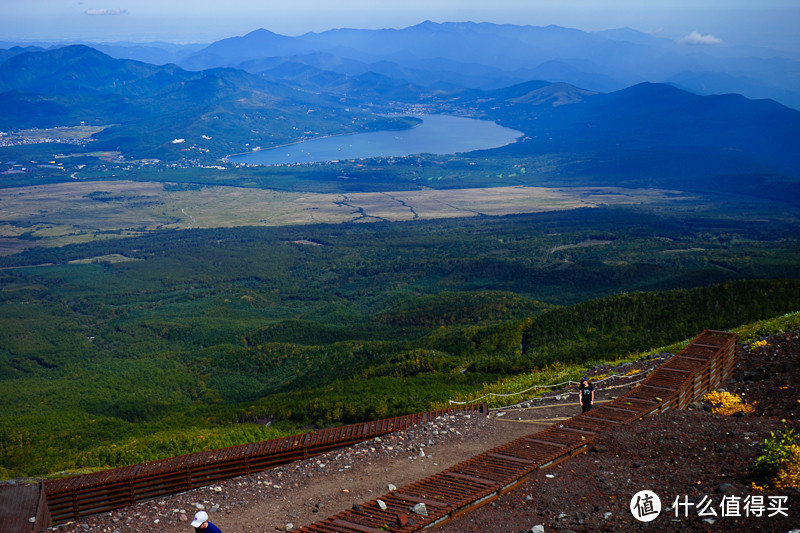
(153, 105)
(619, 58)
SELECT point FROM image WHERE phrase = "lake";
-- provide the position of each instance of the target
(438, 134)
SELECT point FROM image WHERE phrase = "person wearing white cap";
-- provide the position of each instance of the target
(202, 525)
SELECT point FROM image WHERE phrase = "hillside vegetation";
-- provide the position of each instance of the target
(201, 336)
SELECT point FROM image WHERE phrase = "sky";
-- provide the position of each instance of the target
(761, 23)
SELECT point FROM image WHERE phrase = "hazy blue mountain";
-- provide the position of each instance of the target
(6, 53)
(232, 51)
(157, 53)
(553, 95)
(362, 85)
(720, 82)
(585, 76)
(316, 61)
(485, 55)
(448, 74)
(75, 68)
(490, 56)
(657, 135)
(214, 112)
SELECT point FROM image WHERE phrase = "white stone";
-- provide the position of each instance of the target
(420, 509)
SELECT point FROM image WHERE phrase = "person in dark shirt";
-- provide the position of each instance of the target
(586, 394)
(202, 525)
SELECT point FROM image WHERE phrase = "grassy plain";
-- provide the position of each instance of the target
(65, 213)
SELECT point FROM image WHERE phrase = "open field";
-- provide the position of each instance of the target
(58, 214)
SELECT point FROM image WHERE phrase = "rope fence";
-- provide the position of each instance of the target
(563, 384)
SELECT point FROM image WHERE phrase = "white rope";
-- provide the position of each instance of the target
(563, 383)
(564, 396)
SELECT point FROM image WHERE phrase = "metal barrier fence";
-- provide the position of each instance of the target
(74, 497)
(684, 378)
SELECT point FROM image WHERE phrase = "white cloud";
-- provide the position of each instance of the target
(101, 12)
(695, 39)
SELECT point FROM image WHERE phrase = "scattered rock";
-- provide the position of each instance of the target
(726, 488)
(420, 509)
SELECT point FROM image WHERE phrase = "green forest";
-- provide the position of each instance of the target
(196, 338)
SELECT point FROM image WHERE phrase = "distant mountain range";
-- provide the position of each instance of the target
(491, 56)
(173, 113)
(486, 56)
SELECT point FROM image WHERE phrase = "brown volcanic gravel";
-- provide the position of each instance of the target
(688, 454)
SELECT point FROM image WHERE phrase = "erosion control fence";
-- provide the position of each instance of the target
(684, 378)
(71, 498)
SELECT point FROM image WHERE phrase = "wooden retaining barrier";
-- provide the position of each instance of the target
(84, 495)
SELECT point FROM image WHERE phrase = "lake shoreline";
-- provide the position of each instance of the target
(436, 134)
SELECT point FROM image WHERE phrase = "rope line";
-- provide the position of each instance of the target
(560, 397)
(562, 384)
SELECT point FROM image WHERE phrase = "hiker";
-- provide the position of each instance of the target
(202, 525)
(586, 394)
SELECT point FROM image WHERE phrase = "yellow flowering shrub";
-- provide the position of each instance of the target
(789, 474)
(779, 466)
(758, 344)
(725, 403)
